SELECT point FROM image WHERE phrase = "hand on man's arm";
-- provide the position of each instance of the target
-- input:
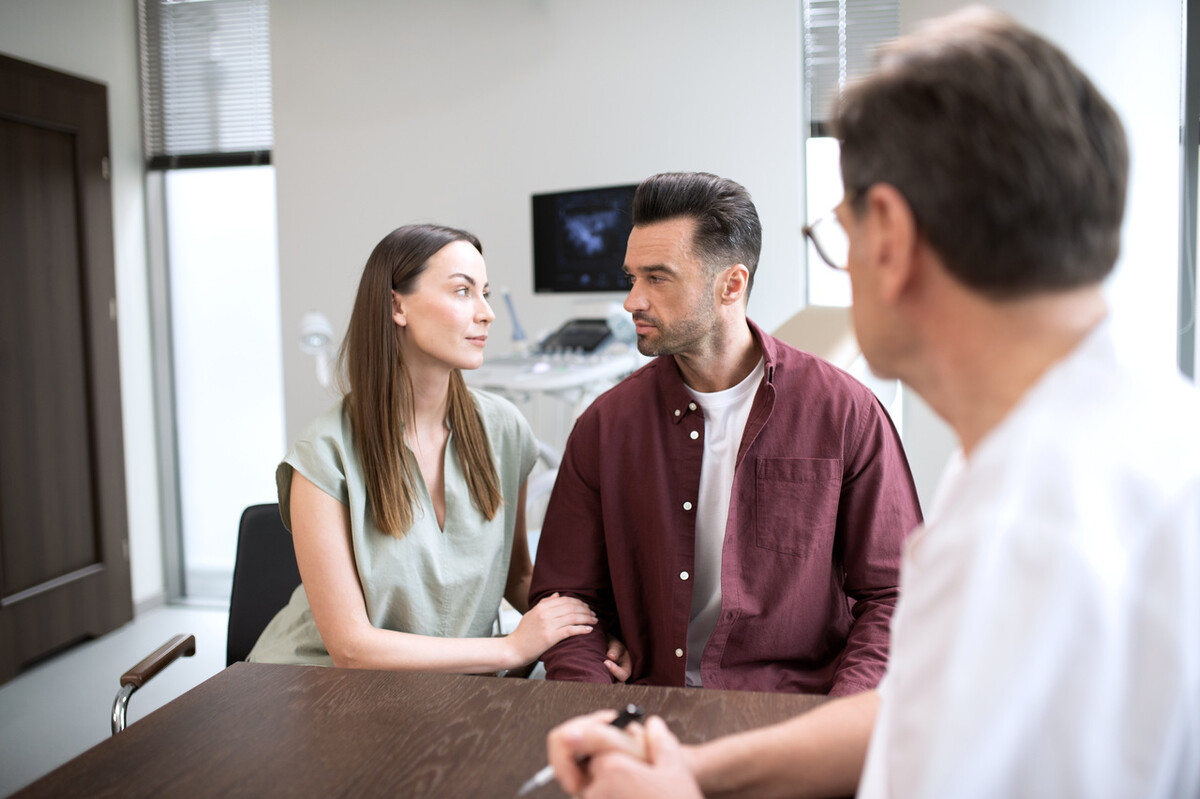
(572, 561)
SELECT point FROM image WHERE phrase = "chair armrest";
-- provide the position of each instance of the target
(139, 675)
(159, 659)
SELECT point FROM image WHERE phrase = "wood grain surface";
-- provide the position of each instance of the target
(264, 730)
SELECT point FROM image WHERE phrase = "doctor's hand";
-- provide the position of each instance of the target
(636, 762)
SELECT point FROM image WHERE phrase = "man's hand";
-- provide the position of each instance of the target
(594, 760)
(617, 660)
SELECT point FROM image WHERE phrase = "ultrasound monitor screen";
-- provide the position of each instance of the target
(579, 239)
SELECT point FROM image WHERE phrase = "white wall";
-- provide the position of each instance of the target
(1134, 58)
(394, 112)
(97, 39)
(391, 112)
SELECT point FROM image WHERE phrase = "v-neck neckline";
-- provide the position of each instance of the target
(426, 498)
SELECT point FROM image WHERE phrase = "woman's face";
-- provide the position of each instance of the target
(444, 320)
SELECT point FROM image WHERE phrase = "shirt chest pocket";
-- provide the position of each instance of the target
(796, 505)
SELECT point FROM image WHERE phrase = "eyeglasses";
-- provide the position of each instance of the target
(830, 240)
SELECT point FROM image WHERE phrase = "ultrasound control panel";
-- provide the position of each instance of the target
(577, 335)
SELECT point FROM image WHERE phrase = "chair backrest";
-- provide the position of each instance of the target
(823, 330)
(264, 577)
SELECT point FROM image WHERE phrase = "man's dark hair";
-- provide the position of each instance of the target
(1014, 165)
(727, 228)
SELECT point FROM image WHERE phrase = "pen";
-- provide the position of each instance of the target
(630, 713)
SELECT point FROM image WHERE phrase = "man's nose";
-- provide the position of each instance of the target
(634, 301)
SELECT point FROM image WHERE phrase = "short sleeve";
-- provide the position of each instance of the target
(320, 455)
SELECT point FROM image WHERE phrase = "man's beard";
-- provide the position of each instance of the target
(677, 338)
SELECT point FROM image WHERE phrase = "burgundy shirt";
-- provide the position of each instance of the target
(821, 502)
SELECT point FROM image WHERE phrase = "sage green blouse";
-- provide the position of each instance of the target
(447, 583)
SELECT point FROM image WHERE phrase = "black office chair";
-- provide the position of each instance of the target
(264, 577)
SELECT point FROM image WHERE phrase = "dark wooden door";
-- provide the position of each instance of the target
(64, 555)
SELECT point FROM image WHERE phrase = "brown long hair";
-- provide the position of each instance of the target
(379, 392)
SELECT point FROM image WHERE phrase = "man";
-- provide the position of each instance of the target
(734, 510)
(1047, 639)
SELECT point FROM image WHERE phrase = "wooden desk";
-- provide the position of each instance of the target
(263, 730)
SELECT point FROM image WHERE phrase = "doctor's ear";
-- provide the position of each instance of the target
(893, 239)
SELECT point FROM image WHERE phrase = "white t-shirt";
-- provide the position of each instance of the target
(1047, 638)
(725, 415)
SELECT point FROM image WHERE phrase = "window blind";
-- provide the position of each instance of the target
(206, 82)
(840, 37)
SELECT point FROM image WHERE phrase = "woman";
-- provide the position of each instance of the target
(406, 500)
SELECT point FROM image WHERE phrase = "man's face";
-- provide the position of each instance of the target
(671, 294)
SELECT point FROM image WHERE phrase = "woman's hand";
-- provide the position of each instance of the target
(617, 660)
(548, 622)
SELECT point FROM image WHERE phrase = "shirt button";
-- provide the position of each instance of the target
(678, 653)
(683, 575)
(687, 506)
(695, 434)
(691, 406)
(677, 412)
